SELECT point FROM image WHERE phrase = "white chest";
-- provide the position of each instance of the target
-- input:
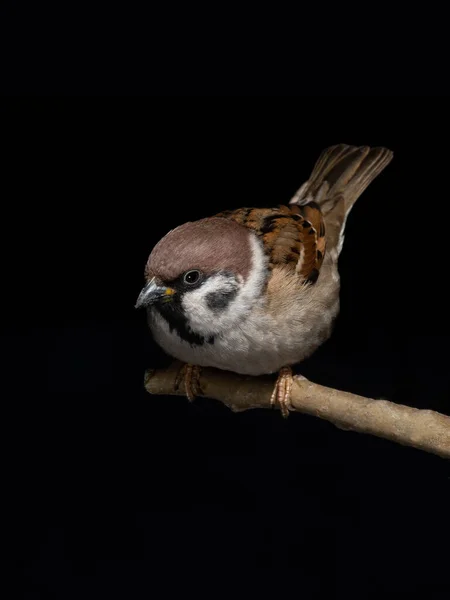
(262, 342)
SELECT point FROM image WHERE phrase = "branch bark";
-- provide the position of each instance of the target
(426, 430)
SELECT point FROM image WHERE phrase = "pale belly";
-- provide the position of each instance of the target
(258, 345)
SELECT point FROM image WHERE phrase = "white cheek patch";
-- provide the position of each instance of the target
(209, 318)
(201, 317)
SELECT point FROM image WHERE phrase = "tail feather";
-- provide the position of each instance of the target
(339, 177)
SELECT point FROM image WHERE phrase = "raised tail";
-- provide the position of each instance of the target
(339, 177)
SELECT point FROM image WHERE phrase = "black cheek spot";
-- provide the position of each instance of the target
(306, 224)
(311, 231)
(319, 255)
(217, 301)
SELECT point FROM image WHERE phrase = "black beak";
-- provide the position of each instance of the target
(153, 292)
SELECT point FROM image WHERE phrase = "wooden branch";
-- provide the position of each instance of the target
(423, 429)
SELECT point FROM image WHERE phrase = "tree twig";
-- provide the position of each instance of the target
(423, 429)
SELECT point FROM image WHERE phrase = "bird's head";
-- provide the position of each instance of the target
(209, 273)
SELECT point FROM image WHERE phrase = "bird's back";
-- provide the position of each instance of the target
(300, 235)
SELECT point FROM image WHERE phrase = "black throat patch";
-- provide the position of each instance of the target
(176, 320)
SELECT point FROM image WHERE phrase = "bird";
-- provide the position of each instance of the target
(256, 290)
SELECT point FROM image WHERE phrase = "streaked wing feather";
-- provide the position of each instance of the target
(292, 235)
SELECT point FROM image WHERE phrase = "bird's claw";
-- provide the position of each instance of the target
(190, 375)
(282, 391)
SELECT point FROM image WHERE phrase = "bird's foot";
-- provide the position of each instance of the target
(190, 375)
(282, 390)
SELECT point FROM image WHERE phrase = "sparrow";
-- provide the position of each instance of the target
(256, 290)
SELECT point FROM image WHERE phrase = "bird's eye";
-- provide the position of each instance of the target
(191, 277)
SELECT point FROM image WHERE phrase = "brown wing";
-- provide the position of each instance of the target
(292, 235)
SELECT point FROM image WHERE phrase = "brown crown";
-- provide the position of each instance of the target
(210, 245)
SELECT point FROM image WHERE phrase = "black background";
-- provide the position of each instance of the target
(115, 490)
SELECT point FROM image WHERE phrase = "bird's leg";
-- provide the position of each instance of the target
(282, 390)
(190, 374)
